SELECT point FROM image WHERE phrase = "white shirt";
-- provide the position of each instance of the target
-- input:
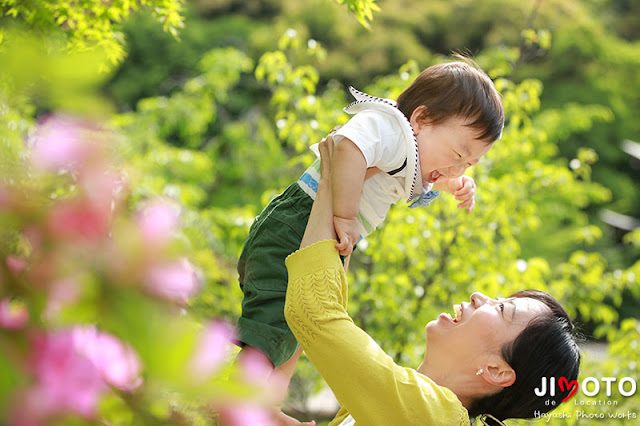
(386, 139)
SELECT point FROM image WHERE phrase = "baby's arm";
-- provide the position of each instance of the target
(349, 169)
(462, 187)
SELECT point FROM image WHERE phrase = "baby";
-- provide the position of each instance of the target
(443, 123)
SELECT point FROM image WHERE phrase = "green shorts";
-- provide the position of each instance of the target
(274, 235)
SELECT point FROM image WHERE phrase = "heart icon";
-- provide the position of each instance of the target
(565, 385)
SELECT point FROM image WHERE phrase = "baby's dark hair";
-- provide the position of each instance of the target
(546, 348)
(456, 89)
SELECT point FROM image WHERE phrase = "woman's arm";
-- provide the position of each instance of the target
(320, 225)
(366, 381)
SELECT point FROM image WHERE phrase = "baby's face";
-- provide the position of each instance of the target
(447, 149)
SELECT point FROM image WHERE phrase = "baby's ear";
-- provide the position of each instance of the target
(418, 118)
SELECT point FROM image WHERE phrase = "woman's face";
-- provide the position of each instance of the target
(480, 327)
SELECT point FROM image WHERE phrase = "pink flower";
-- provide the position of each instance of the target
(61, 293)
(71, 369)
(102, 187)
(60, 144)
(213, 347)
(246, 414)
(13, 315)
(176, 280)
(16, 264)
(78, 219)
(66, 381)
(118, 363)
(157, 221)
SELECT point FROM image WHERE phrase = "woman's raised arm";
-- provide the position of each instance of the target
(366, 381)
(320, 226)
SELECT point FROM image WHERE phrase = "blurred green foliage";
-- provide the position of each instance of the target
(98, 278)
(580, 51)
(89, 24)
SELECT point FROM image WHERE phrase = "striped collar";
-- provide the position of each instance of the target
(413, 186)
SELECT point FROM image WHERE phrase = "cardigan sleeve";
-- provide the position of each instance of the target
(365, 380)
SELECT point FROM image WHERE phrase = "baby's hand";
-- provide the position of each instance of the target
(348, 233)
(464, 189)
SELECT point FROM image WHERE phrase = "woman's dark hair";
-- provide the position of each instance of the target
(545, 348)
(456, 89)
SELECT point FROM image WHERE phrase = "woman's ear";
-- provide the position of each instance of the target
(499, 373)
(418, 119)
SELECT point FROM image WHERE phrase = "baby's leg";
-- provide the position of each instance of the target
(262, 328)
(249, 354)
(281, 376)
(263, 276)
(278, 380)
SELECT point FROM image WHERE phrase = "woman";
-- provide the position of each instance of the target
(485, 362)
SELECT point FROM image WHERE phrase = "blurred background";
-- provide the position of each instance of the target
(141, 138)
